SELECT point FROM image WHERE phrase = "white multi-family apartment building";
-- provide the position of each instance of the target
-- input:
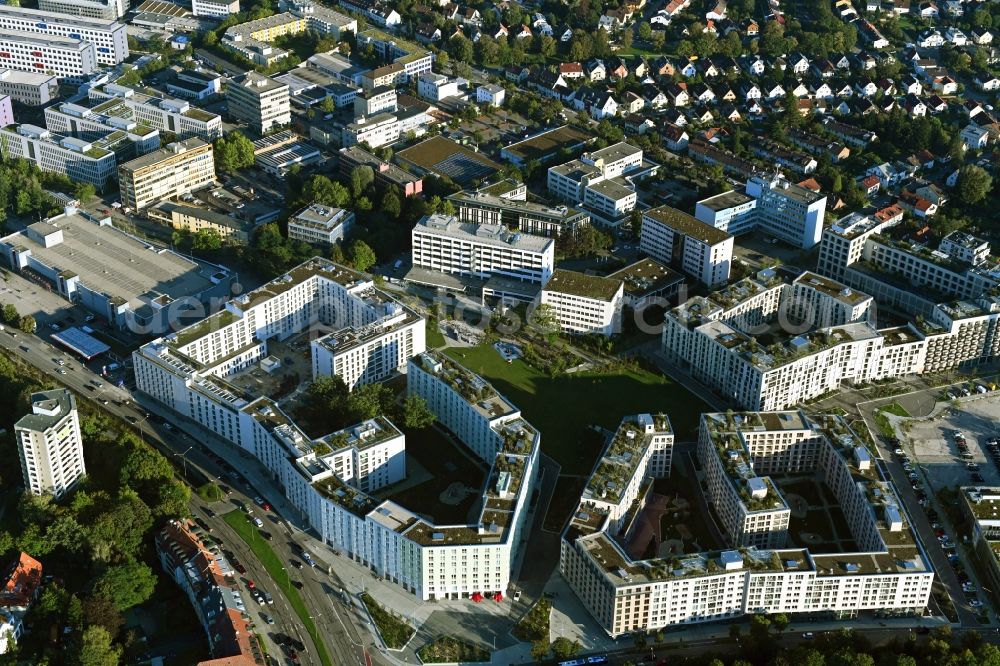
(771, 204)
(49, 444)
(47, 54)
(88, 161)
(409, 58)
(260, 101)
(436, 87)
(822, 333)
(584, 303)
(889, 573)
(321, 225)
(107, 36)
(532, 218)
(215, 8)
(601, 181)
(445, 244)
(29, 88)
(675, 238)
(167, 115)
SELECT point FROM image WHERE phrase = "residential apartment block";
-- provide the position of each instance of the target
(445, 244)
(531, 218)
(20, 587)
(259, 101)
(584, 303)
(677, 239)
(890, 572)
(179, 168)
(50, 445)
(29, 88)
(167, 115)
(252, 39)
(321, 225)
(601, 182)
(106, 36)
(408, 58)
(81, 160)
(191, 218)
(772, 205)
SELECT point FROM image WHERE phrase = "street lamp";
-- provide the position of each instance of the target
(184, 460)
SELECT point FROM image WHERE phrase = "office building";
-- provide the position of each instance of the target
(372, 102)
(677, 239)
(491, 95)
(888, 573)
(602, 181)
(108, 10)
(385, 128)
(81, 160)
(772, 205)
(320, 225)
(436, 87)
(178, 169)
(61, 57)
(29, 88)
(6, 111)
(176, 116)
(484, 208)
(50, 444)
(259, 101)
(386, 173)
(84, 123)
(215, 8)
(149, 291)
(445, 244)
(584, 303)
(195, 84)
(106, 36)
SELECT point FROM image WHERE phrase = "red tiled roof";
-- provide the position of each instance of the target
(23, 577)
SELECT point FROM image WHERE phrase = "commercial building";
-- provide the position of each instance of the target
(195, 84)
(209, 582)
(49, 54)
(29, 88)
(167, 115)
(215, 8)
(109, 10)
(436, 87)
(677, 239)
(276, 154)
(648, 282)
(445, 244)
(601, 182)
(374, 101)
(6, 111)
(584, 303)
(84, 123)
(179, 168)
(50, 445)
(259, 101)
(491, 95)
(252, 39)
(386, 173)
(151, 289)
(889, 573)
(531, 218)
(772, 205)
(320, 225)
(385, 128)
(81, 160)
(106, 36)
(443, 157)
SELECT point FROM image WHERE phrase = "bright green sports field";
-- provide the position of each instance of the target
(563, 407)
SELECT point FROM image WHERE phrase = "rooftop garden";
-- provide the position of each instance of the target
(198, 114)
(194, 332)
(346, 496)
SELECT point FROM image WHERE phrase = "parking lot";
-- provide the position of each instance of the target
(944, 459)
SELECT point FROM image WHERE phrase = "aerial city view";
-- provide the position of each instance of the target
(565, 332)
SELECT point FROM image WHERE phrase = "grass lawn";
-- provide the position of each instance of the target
(241, 525)
(434, 336)
(884, 427)
(562, 407)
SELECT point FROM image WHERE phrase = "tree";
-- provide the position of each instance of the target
(544, 320)
(84, 192)
(540, 650)
(96, 648)
(361, 177)
(101, 611)
(626, 38)
(460, 47)
(390, 204)
(416, 414)
(779, 622)
(362, 256)
(126, 585)
(322, 190)
(327, 105)
(973, 184)
(645, 31)
(564, 648)
(234, 152)
(27, 324)
(207, 240)
(10, 314)
(210, 492)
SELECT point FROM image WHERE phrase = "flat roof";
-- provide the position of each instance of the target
(548, 144)
(646, 276)
(483, 234)
(581, 284)
(444, 157)
(729, 199)
(687, 224)
(838, 290)
(76, 340)
(29, 14)
(112, 262)
(163, 154)
(614, 153)
(59, 401)
(612, 188)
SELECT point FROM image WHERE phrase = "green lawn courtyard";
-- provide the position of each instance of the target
(563, 407)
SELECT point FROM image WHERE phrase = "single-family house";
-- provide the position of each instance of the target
(975, 137)
(678, 94)
(945, 85)
(571, 70)
(595, 69)
(986, 82)
(750, 91)
(701, 93)
(930, 39)
(982, 36)
(754, 65)
(954, 35)
(865, 87)
(674, 137)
